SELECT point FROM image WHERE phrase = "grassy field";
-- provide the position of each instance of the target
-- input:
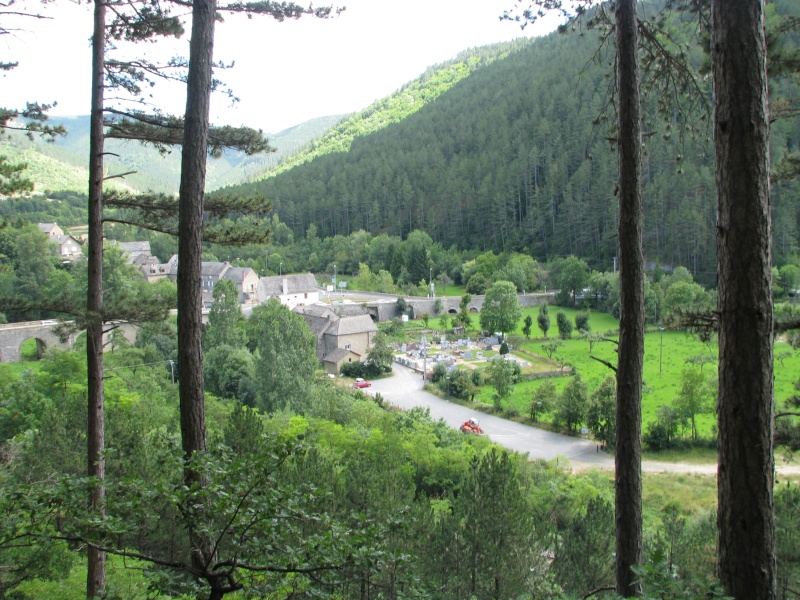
(665, 356)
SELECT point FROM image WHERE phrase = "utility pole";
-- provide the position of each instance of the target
(424, 356)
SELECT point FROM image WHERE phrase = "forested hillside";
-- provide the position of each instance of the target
(504, 148)
(62, 165)
(511, 158)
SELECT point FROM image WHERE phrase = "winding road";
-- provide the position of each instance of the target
(404, 390)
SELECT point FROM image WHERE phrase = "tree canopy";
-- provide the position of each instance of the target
(501, 309)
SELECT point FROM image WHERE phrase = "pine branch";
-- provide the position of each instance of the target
(786, 414)
(279, 11)
(36, 116)
(160, 213)
(164, 131)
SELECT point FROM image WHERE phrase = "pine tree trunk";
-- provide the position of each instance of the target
(190, 235)
(628, 457)
(192, 195)
(96, 560)
(745, 402)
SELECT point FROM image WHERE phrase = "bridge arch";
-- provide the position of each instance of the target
(40, 346)
(13, 335)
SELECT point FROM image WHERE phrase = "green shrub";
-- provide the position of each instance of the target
(564, 326)
(582, 322)
(361, 369)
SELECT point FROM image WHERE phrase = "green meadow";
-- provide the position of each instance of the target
(666, 354)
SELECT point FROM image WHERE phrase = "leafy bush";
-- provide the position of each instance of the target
(478, 284)
(564, 326)
(402, 305)
(582, 322)
(361, 369)
(439, 373)
(395, 327)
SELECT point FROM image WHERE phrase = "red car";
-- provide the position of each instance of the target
(361, 383)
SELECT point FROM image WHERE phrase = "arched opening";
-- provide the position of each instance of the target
(32, 349)
(453, 311)
(472, 309)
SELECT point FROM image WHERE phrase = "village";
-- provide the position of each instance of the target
(344, 323)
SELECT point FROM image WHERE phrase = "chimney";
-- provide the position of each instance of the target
(285, 286)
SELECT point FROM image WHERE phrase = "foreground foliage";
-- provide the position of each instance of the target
(337, 499)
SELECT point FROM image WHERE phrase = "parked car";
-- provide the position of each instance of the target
(361, 383)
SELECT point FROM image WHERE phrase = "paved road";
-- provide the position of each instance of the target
(404, 390)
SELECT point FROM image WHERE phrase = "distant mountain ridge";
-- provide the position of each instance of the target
(62, 165)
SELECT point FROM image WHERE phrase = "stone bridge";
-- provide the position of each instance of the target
(450, 304)
(13, 335)
(383, 307)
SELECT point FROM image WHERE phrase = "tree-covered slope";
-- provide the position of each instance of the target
(511, 158)
(396, 107)
(62, 165)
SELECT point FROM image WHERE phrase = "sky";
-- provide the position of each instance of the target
(283, 73)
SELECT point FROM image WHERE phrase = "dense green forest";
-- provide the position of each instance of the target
(368, 500)
(512, 158)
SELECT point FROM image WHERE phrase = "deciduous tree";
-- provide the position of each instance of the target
(572, 276)
(544, 399)
(463, 318)
(543, 320)
(381, 354)
(502, 374)
(501, 309)
(571, 406)
(694, 396)
(286, 356)
(601, 418)
(226, 325)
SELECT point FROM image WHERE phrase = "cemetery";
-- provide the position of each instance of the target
(471, 353)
